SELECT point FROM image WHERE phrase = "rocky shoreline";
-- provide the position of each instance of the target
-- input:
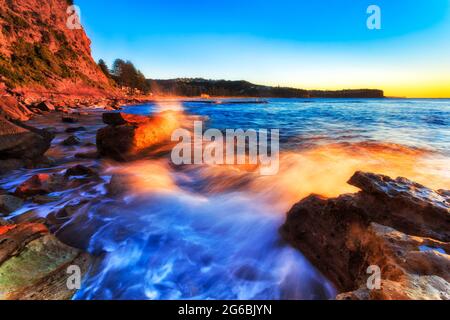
(397, 225)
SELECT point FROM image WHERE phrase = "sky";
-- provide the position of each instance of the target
(316, 44)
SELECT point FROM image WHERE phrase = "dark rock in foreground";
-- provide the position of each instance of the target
(69, 119)
(71, 141)
(398, 225)
(80, 170)
(40, 184)
(9, 204)
(75, 129)
(34, 264)
(21, 145)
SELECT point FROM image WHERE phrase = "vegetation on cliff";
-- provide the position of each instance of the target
(197, 87)
(38, 49)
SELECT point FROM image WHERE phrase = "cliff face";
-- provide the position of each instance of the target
(39, 53)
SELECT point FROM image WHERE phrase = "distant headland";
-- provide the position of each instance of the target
(196, 87)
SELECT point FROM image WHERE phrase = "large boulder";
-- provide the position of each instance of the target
(34, 264)
(21, 143)
(45, 106)
(9, 204)
(128, 136)
(398, 225)
(11, 108)
(41, 184)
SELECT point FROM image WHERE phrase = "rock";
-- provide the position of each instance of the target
(386, 224)
(44, 199)
(18, 141)
(81, 113)
(11, 108)
(45, 106)
(62, 109)
(31, 216)
(52, 130)
(69, 119)
(407, 271)
(10, 165)
(9, 204)
(41, 184)
(80, 170)
(129, 136)
(404, 205)
(57, 219)
(75, 129)
(71, 141)
(33, 263)
(118, 119)
(36, 111)
(118, 185)
(87, 155)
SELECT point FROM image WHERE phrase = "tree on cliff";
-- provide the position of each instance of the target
(104, 68)
(125, 74)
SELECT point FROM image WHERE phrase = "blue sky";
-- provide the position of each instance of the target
(309, 44)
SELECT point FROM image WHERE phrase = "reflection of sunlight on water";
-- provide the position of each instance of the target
(325, 170)
(173, 241)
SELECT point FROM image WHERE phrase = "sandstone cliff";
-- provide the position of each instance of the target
(40, 54)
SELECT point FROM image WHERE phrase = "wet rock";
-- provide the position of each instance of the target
(87, 155)
(118, 185)
(52, 130)
(44, 199)
(75, 129)
(31, 216)
(56, 219)
(41, 184)
(37, 111)
(404, 205)
(71, 141)
(21, 142)
(81, 170)
(33, 263)
(11, 108)
(129, 136)
(118, 119)
(45, 106)
(385, 225)
(62, 109)
(81, 113)
(10, 165)
(69, 119)
(9, 204)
